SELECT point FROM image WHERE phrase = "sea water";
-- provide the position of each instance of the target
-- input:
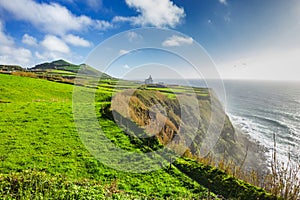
(263, 109)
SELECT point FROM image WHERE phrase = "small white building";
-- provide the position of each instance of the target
(149, 80)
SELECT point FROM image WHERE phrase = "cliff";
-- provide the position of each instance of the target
(182, 122)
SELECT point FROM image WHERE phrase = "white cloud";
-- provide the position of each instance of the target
(50, 55)
(123, 51)
(126, 66)
(51, 18)
(158, 13)
(40, 56)
(5, 39)
(102, 25)
(223, 2)
(55, 44)
(76, 41)
(176, 41)
(94, 4)
(122, 19)
(29, 40)
(9, 53)
(134, 37)
(15, 55)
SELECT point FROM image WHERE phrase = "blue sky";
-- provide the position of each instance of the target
(249, 39)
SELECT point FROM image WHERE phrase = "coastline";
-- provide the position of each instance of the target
(255, 153)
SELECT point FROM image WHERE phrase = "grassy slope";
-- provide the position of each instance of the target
(38, 133)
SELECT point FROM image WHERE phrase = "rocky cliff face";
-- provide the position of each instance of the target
(182, 123)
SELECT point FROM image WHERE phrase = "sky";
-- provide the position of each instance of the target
(249, 39)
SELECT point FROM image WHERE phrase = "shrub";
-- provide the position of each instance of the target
(33, 184)
(26, 74)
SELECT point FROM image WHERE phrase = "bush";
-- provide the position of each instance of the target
(40, 185)
(26, 74)
(219, 182)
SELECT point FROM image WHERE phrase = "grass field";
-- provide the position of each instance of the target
(40, 146)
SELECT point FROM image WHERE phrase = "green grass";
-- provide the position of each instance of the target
(27, 90)
(38, 133)
(40, 147)
(61, 73)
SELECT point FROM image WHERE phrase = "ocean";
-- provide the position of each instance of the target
(262, 109)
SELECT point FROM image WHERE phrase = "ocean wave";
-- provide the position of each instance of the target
(274, 122)
(254, 130)
(289, 133)
(263, 134)
(296, 101)
(282, 113)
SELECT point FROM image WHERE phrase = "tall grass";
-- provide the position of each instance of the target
(26, 74)
(40, 185)
(282, 179)
(32, 184)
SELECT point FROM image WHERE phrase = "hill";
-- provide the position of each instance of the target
(42, 155)
(10, 68)
(63, 67)
(58, 71)
(59, 65)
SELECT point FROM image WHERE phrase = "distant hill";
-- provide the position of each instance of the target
(11, 68)
(86, 69)
(58, 68)
(66, 66)
(59, 65)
